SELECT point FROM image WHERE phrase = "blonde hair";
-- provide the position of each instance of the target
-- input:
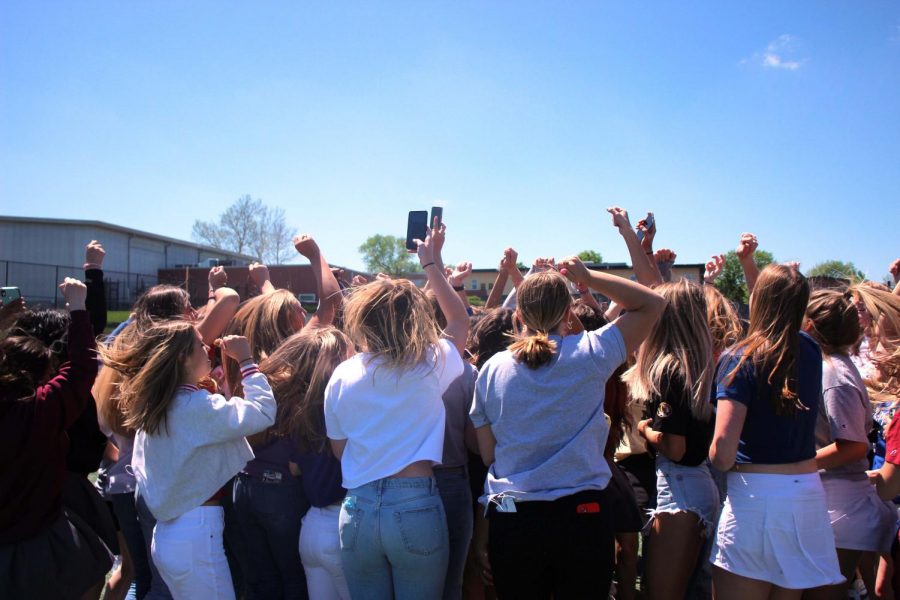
(391, 320)
(158, 304)
(680, 346)
(298, 372)
(884, 307)
(541, 303)
(723, 320)
(266, 321)
(777, 307)
(152, 368)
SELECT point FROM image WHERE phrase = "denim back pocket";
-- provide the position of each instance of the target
(348, 526)
(424, 530)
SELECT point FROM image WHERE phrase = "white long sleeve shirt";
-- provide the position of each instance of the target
(202, 446)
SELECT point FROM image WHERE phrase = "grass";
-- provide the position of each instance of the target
(114, 317)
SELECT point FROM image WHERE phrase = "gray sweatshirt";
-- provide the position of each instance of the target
(203, 446)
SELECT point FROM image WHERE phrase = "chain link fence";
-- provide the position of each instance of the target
(38, 283)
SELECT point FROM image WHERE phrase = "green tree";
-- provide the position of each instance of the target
(590, 256)
(731, 282)
(836, 268)
(476, 301)
(387, 254)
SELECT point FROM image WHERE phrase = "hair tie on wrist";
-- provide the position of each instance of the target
(428, 265)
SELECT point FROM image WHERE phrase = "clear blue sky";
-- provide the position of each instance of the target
(526, 119)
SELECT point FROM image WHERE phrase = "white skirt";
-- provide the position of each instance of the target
(775, 528)
(859, 518)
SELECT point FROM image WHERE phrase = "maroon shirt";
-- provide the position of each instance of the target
(33, 440)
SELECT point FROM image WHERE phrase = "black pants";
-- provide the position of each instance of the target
(561, 548)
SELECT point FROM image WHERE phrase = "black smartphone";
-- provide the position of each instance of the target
(416, 228)
(10, 294)
(437, 212)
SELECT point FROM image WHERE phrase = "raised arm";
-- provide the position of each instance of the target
(429, 252)
(93, 279)
(259, 275)
(221, 305)
(458, 279)
(588, 298)
(327, 286)
(511, 258)
(69, 391)
(645, 273)
(714, 268)
(496, 293)
(644, 306)
(664, 259)
(744, 251)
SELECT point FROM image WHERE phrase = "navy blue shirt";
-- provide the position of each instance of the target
(321, 476)
(768, 438)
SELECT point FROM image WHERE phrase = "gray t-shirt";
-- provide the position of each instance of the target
(844, 410)
(549, 422)
(457, 401)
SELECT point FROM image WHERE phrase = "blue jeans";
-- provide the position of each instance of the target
(123, 507)
(158, 589)
(394, 540)
(682, 488)
(453, 485)
(266, 519)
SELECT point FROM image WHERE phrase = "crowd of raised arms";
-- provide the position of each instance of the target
(400, 443)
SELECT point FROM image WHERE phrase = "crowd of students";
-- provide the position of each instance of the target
(400, 443)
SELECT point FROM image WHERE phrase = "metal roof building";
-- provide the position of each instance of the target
(36, 253)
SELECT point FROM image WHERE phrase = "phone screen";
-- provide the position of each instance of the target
(436, 212)
(416, 227)
(10, 294)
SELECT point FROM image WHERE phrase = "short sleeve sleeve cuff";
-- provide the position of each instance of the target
(737, 388)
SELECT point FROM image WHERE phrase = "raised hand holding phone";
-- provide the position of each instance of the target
(416, 228)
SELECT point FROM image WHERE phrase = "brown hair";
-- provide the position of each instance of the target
(161, 302)
(541, 303)
(24, 362)
(266, 321)
(777, 306)
(298, 372)
(884, 307)
(158, 304)
(490, 335)
(591, 318)
(723, 320)
(152, 367)
(391, 320)
(834, 320)
(680, 346)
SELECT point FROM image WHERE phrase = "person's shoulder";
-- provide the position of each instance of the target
(809, 346)
(838, 370)
(501, 361)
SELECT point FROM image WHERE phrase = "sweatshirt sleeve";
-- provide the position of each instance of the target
(239, 417)
(96, 299)
(66, 395)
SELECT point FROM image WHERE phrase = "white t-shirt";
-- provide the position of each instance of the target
(390, 418)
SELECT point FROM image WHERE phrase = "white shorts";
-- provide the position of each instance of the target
(860, 519)
(775, 528)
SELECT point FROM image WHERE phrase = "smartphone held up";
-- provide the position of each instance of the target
(417, 225)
